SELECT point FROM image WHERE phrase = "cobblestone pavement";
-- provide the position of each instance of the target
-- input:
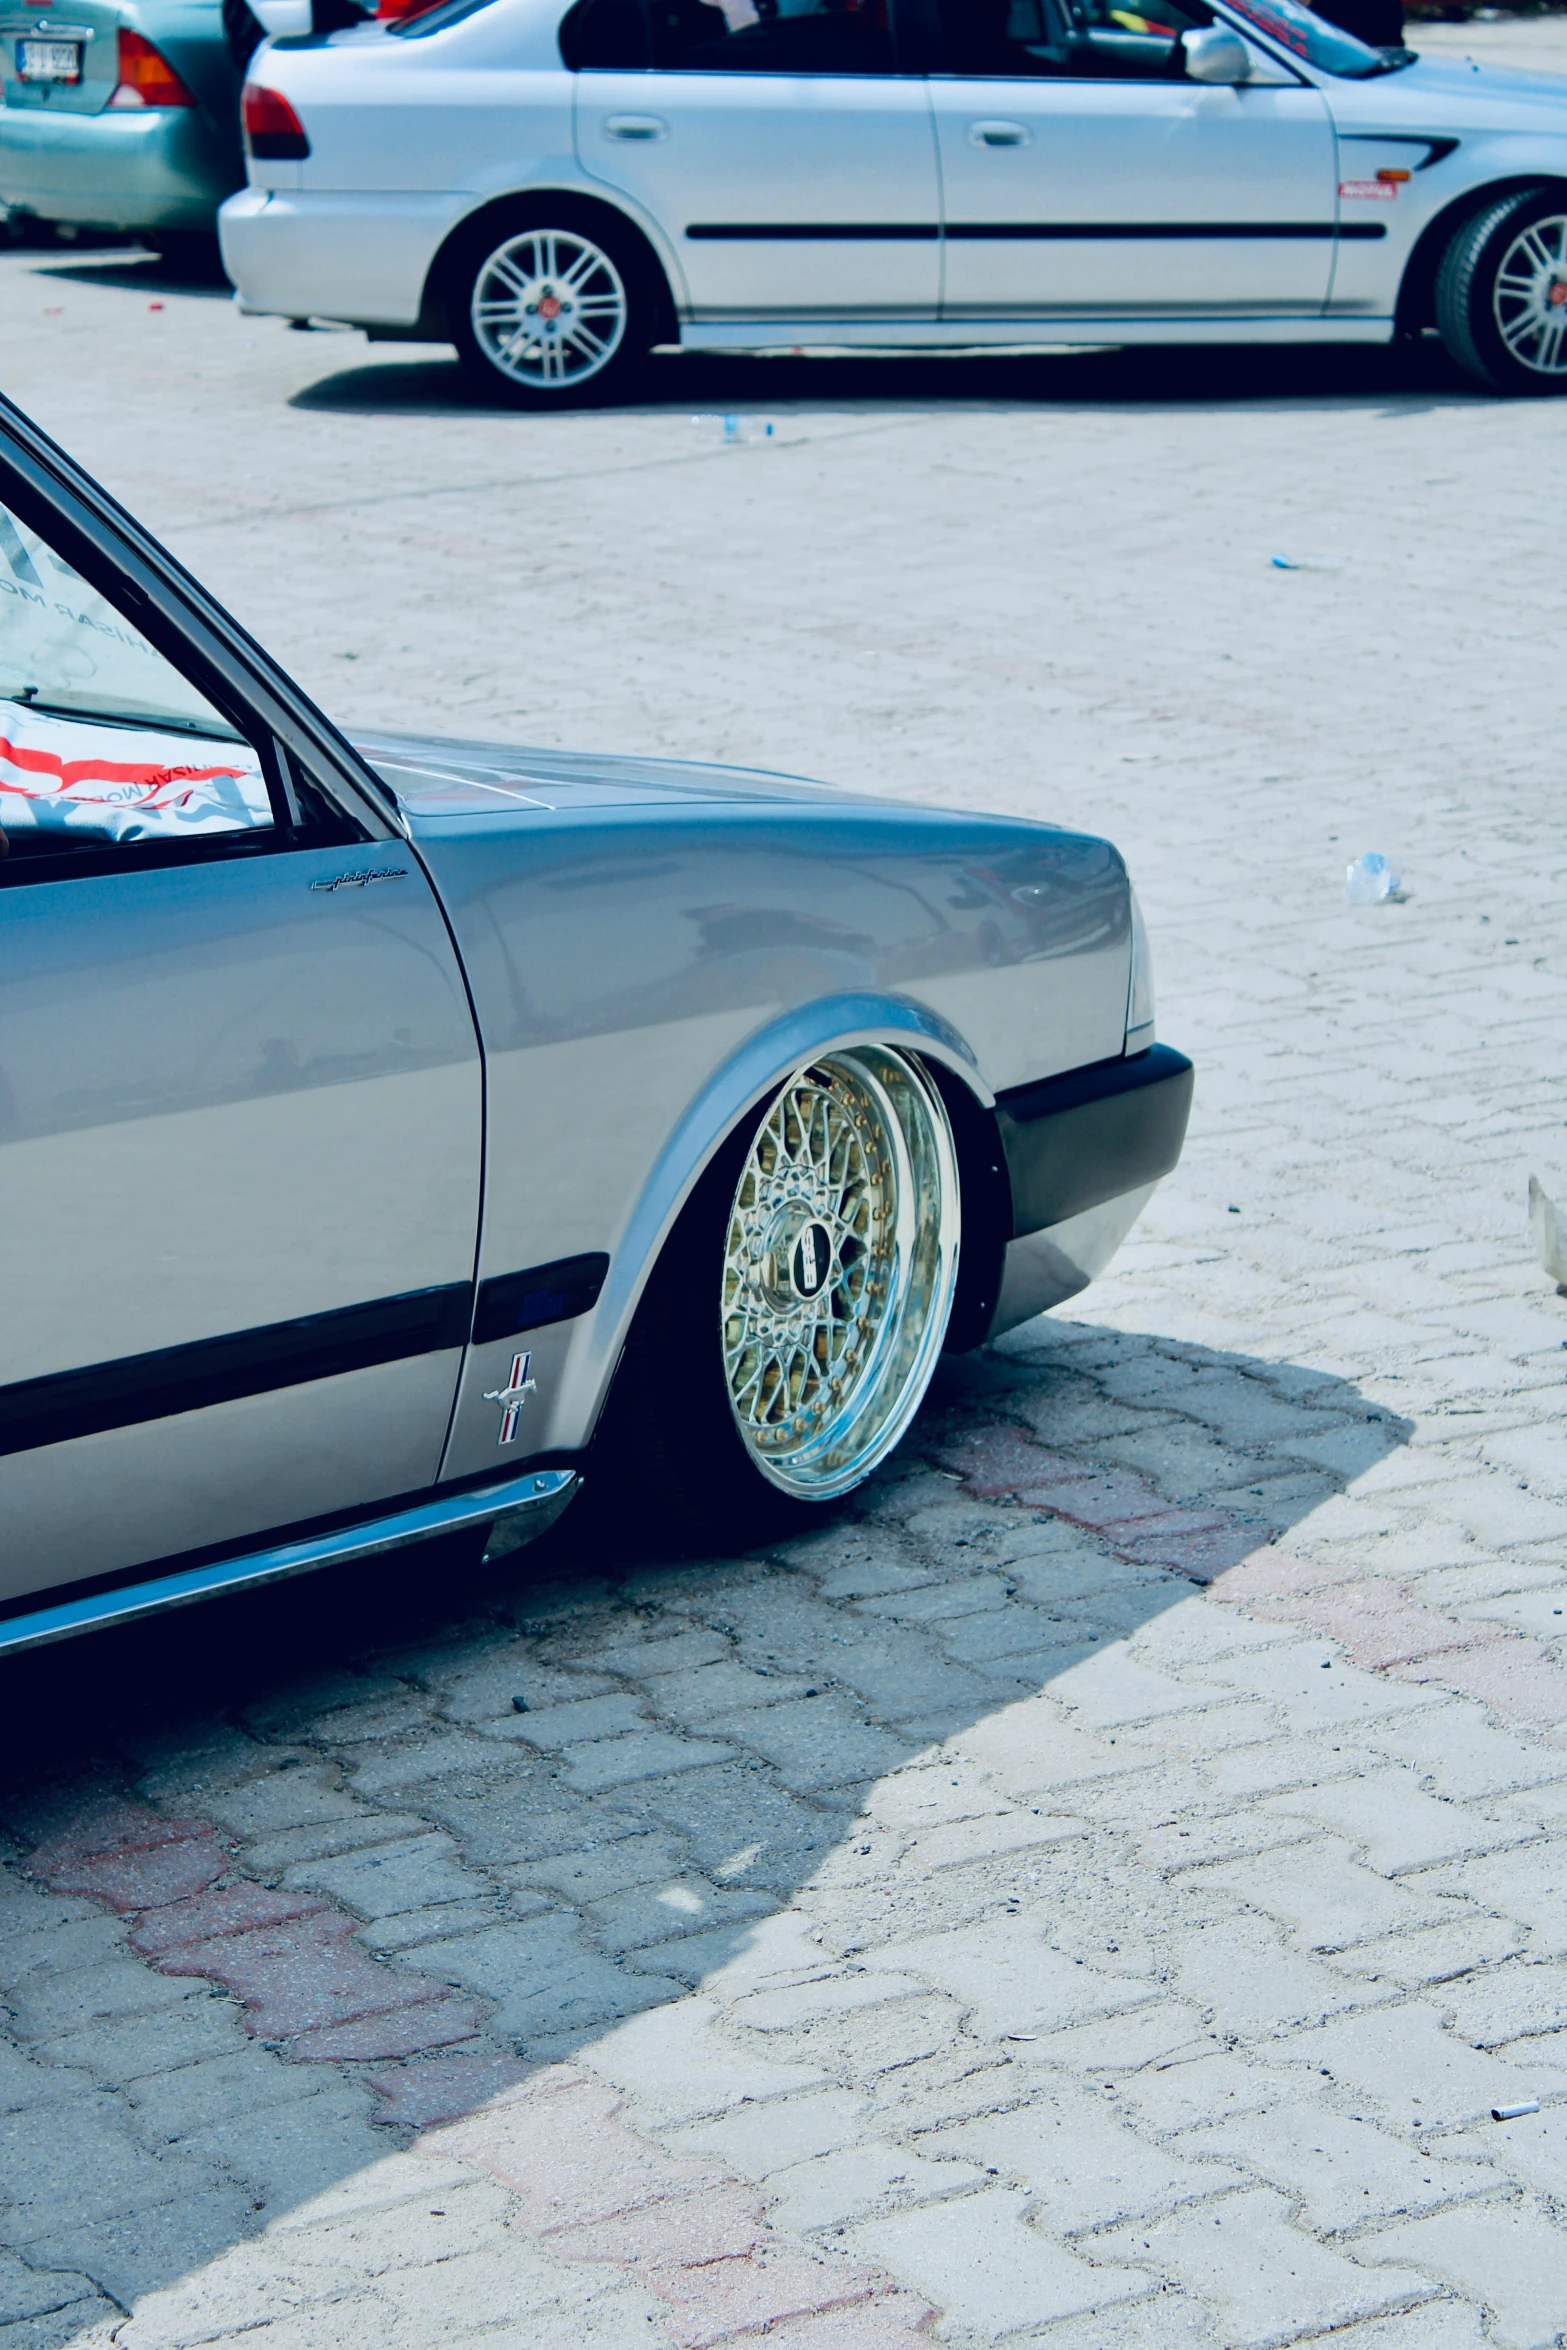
(1098, 1889)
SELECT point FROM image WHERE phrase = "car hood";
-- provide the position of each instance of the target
(435, 778)
(1456, 90)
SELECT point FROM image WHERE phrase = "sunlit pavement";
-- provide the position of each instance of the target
(1097, 1890)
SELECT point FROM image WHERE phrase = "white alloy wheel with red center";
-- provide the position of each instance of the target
(549, 309)
(1530, 297)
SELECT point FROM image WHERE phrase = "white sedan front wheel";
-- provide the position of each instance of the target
(1501, 293)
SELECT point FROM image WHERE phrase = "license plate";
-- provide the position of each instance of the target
(49, 61)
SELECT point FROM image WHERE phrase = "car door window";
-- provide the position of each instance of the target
(103, 743)
(741, 36)
(1080, 40)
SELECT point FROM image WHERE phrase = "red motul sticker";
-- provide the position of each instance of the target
(1373, 191)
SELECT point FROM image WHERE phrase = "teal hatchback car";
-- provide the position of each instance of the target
(120, 114)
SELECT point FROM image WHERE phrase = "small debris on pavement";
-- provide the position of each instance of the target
(1549, 1239)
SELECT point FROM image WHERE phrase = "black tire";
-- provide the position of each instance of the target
(792, 1323)
(594, 257)
(1501, 294)
(667, 1475)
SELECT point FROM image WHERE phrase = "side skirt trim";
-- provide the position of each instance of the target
(519, 1508)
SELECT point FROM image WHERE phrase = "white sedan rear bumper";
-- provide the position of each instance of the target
(363, 259)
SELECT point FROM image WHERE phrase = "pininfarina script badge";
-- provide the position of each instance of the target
(512, 1396)
(363, 880)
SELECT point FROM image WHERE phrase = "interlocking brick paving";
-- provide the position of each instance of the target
(1098, 1888)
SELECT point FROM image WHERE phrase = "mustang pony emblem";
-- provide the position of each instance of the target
(512, 1396)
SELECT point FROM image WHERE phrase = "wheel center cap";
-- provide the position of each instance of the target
(549, 307)
(1558, 293)
(810, 1261)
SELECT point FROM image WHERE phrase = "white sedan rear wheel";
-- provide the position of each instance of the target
(552, 305)
(549, 309)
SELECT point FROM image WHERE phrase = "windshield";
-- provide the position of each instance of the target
(1313, 40)
(64, 647)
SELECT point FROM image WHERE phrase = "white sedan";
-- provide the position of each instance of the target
(559, 190)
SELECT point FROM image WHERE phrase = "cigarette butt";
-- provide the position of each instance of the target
(1512, 2113)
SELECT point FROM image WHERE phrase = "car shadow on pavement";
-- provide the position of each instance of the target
(1412, 375)
(141, 273)
(431, 1826)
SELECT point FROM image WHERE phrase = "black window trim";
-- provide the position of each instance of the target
(909, 48)
(34, 868)
(923, 36)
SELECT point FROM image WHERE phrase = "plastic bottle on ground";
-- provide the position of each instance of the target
(732, 431)
(1370, 879)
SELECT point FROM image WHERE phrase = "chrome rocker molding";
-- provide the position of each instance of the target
(521, 1507)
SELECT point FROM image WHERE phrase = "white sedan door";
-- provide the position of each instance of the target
(1083, 179)
(791, 166)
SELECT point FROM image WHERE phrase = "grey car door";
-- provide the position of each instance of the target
(240, 1107)
(1084, 178)
(788, 155)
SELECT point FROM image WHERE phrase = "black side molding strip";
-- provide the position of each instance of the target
(1044, 232)
(1097, 232)
(1073, 1142)
(137, 1388)
(815, 232)
(513, 1302)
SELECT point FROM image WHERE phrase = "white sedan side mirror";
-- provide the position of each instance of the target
(1214, 54)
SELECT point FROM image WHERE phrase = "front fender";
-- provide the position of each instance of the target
(742, 1083)
(1493, 167)
(573, 1361)
(645, 970)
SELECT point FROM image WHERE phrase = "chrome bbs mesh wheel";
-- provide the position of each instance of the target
(549, 309)
(840, 1261)
(1529, 301)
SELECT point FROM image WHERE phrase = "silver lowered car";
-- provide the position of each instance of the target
(559, 189)
(386, 1128)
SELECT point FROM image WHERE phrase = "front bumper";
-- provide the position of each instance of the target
(1083, 1154)
(155, 168)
